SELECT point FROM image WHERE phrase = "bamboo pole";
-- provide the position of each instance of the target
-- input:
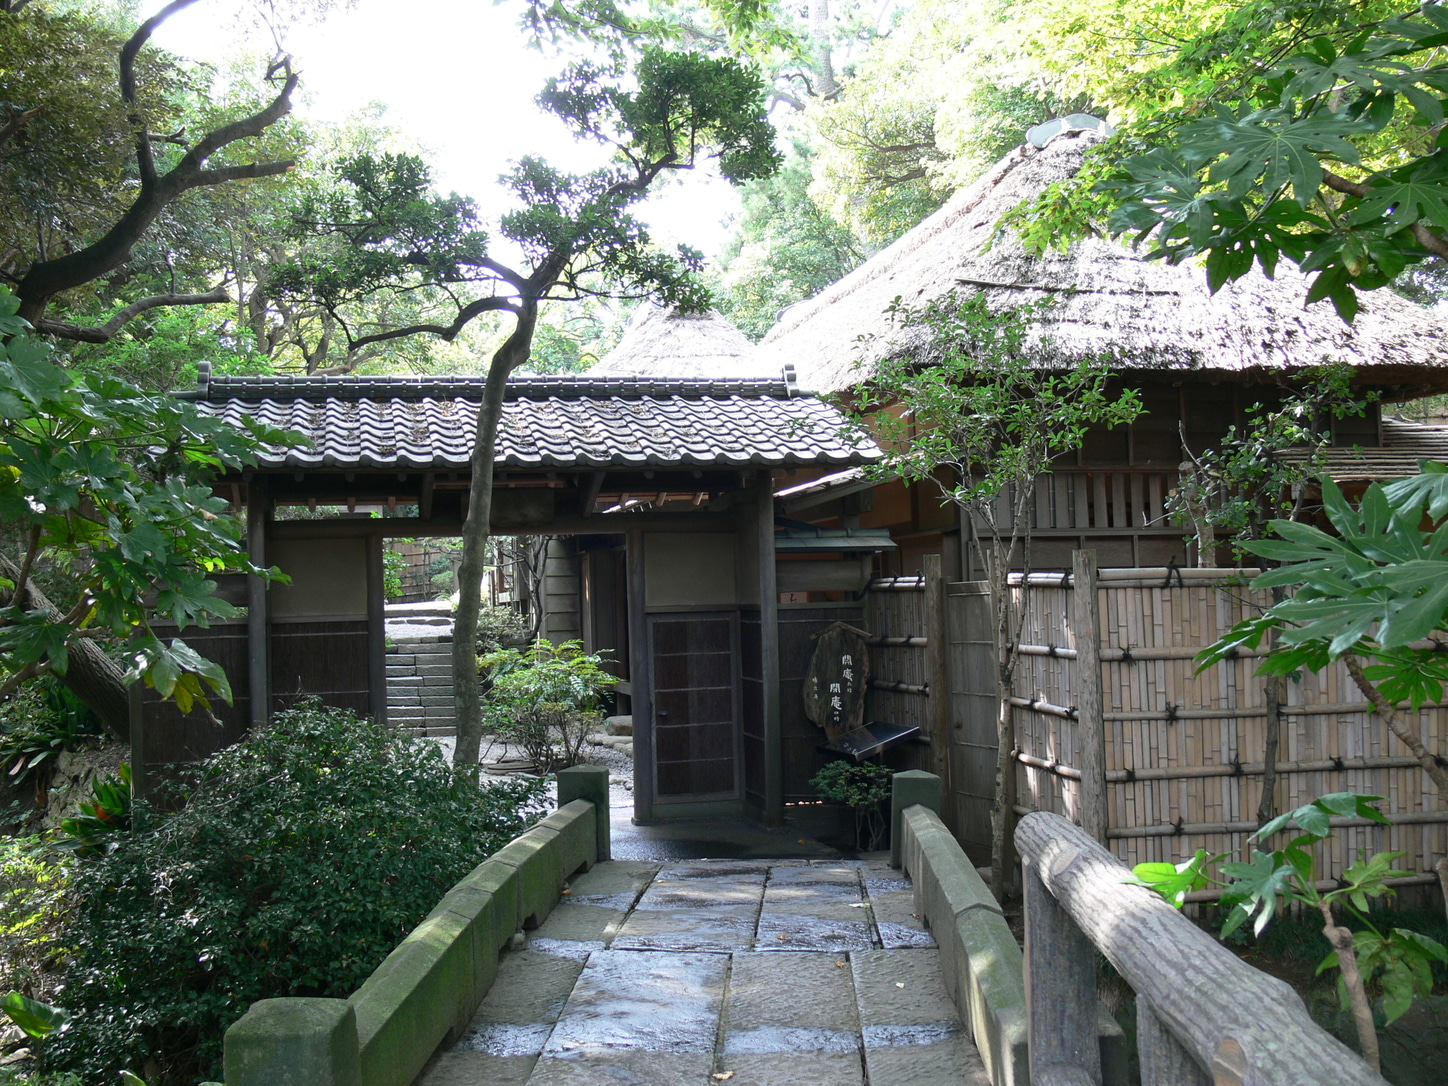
(1060, 770)
(1086, 615)
(1039, 706)
(1256, 769)
(1187, 829)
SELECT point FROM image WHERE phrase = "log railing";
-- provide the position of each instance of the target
(1204, 1016)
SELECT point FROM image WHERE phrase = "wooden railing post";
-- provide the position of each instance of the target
(1085, 618)
(1060, 990)
(1164, 1062)
(1247, 1028)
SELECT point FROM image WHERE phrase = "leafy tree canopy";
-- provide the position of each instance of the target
(107, 479)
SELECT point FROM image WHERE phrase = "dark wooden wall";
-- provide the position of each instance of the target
(328, 659)
(171, 736)
(752, 709)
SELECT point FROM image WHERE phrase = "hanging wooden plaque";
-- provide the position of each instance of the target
(838, 676)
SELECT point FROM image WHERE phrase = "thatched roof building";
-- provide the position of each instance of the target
(1110, 301)
(664, 343)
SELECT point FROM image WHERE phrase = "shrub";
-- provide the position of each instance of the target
(303, 855)
(863, 787)
(38, 721)
(547, 699)
(501, 628)
(33, 908)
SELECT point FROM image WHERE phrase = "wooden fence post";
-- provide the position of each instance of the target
(937, 674)
(1086, 620)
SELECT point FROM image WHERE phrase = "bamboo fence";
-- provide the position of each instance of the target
(1120, 733)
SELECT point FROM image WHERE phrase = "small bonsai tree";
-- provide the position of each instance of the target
(546, 699)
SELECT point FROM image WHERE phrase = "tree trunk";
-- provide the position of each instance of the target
(829, 86)
(1002, 812)
(93, 676)
(1352, 979)
(467, 692)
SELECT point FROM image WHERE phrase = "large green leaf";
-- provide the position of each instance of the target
(1269, 149)
(35, 1019)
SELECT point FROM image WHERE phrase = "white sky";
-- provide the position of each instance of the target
(457, 77)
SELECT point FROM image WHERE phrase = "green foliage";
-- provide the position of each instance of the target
(786, 249)
(1376, 585)
(162, 352)
(63, 174)
(95, 470)
(379, 229)
(864, 787)
(1243, 482)
(499, 629)
(39, 721)
(393, 565)
(302, 856)
(1324, 153)
(1175, 881)
(36, 1020)
(103, 817)
(979, 406)
(546, 698)
(34, 909)
(1399, 960)
(858, 785)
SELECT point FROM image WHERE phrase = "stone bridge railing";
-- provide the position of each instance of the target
(425, 991)
(1204, 1017)
(980, 959)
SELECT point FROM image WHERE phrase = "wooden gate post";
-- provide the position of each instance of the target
(937, 675)
(1085, 617)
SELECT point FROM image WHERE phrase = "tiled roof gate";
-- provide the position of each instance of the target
(547, 423)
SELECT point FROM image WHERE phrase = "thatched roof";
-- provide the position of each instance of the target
(1139, 314)
(666, 343)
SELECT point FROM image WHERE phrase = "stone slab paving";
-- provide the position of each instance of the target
(753, 972)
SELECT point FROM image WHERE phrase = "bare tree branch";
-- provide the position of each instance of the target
(47, 278)
(11, 128)
(104, 333)
(447, 332)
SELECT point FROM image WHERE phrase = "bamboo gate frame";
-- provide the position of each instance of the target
(1115, 730)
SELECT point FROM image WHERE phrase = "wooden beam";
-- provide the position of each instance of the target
(591, 489)
(560, 524)
(424, 501)
(769, 652)
(258, 674)
(1085, 616)
(938, 707)
(376, 631)
(640, 679)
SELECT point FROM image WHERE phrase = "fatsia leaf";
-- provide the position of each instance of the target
(1421, 195)
(1271, 149)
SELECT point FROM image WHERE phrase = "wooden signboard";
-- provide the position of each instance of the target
(838, 676)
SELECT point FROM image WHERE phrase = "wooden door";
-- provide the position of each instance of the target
(695, 705)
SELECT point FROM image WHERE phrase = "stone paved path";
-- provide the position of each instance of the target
(754, 973)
